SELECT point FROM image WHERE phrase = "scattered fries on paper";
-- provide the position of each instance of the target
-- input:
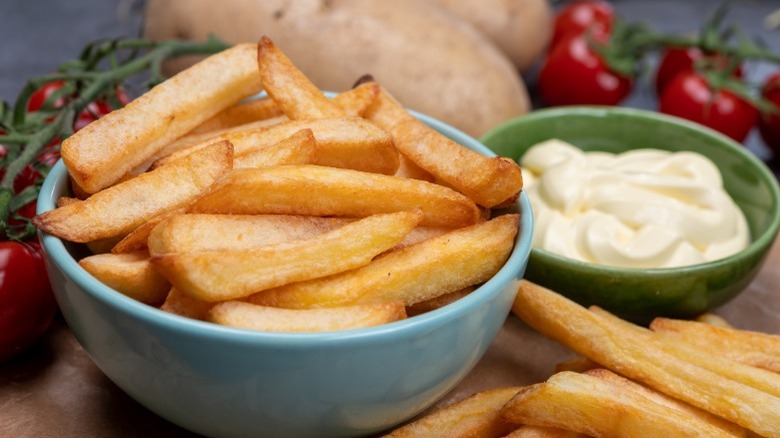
(220, 208)
(679, 378)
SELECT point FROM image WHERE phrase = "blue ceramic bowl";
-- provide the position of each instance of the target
(641, 294)
(220, 381)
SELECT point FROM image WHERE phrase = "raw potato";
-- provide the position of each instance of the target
(520, 28)
(427, 57)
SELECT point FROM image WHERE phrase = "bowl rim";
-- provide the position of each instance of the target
(757, 244)
(58, 254)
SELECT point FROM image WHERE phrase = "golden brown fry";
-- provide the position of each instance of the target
(299, 148)
(437, 266)
(476, 416)
(102, 246)
(763, 380)
(120, 209)
(325, 191)
(184, 305)
(297, 97)
(713, 319)
(438, 302)
(203, 232)
(576, 364)
(354, 102)
(408, 169)
(622, 383)
(489, 181)
(66, 200)
(599, 408)
(747, 347)
(131, 274)
(137, 239)
(229, 274)
(543, 432)
(270, 319)
(643, 358)
(104, 151)
(348, 142)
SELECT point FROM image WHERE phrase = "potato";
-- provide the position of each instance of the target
(520, 28)
(428, 58)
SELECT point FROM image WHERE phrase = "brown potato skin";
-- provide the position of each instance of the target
(457, 75)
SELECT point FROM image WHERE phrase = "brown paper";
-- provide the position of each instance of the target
(55, 389)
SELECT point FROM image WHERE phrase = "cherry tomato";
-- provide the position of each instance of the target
(768, 123)
(27, 304)
(678, 59)
(40, 95)
(573, 74)
(577, 17)
(689, 96)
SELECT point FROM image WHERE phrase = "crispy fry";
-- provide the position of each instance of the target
(751, 348)
(489, 181)
(131, 274)
(437, 266)
(600, 408)
(299, 148)
(120, 209)
(347, 142)
(438, 302)
(104, 151)
(763, 380)
(297, 97)
(66, 200)
(543, 432)
(408, 169)
(643, 358)
(219, 275)
(476, 416)
(203, 232)
(621, 382)
(184, 305)
(270, 319)
(137, 239)
(101, 246)
(576, 364)
(324, 191)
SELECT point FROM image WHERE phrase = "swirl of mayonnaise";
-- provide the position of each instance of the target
(644, 208)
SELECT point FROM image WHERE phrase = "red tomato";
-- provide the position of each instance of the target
(577, 17)
(768, 123)
(27, 304)
(40, 95)
(574, 75)
(689, 96)
(677, 59)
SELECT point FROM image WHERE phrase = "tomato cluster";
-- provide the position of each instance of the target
(690, 82)
(27, 304)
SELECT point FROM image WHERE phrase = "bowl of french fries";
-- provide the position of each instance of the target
(641, 294)
(292, 263)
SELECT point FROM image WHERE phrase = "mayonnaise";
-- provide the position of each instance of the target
(644, 208)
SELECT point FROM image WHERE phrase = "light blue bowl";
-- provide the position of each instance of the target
(219, 381)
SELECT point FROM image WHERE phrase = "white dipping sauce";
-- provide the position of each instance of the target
(644, 208)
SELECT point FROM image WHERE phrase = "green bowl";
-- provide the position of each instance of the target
(641, 294)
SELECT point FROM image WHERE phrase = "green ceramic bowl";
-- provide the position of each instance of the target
(640, 294)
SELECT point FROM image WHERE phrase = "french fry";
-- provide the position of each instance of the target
(763, 380)
(66, 200)
(299, 148)
(475, 416)
(747, 347)
(578, 364)
(543, 432)
(643, 358)
(325, 191)
(347, 142)
(137, 239)
(219, 275)
(120, 209)
(438, 302)
(489, 181)
(434, 267)
(297, 97)
(204, 232)
(184, 305)
(599, 408)
(104, 151)
(408, 169)
(249, 316)
(131, 274)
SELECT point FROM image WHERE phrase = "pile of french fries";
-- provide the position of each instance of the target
(677, 378)
(296, 212)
